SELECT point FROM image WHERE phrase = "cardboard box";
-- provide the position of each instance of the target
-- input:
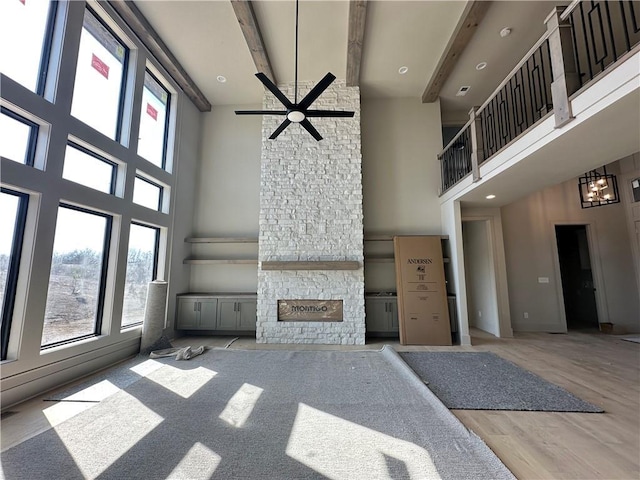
(423, 313)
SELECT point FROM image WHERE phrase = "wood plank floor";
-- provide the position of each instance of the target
(601, 369)
(598, 368)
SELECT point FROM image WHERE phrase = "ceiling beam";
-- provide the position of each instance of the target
(150, 38)
(249, 24)
(471, 17)
(357, 17)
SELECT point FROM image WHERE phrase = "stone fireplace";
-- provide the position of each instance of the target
(311, 230)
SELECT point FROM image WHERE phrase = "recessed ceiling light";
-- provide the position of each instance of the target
(505, 32)
(481, 66)
(403, 70)
(490, 197)
(221, 79)
(463, 91)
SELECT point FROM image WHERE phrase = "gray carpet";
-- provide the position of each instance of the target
(485, 381)
(263, 414)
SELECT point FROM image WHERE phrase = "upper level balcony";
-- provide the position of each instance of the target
(590, 52)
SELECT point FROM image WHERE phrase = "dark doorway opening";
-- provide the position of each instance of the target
(577, 278)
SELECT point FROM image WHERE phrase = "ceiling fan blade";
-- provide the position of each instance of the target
(273, 89)
(310, 128)
(328, 113)
(261, 112)
(279, 130)
(316, 91)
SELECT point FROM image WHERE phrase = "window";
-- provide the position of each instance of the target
(77, 280)
(99, 84)
(89, 169)
(13, 206)
(142, 265)
(17, 137)
(154, 120)
(147, 193)
(25, 29)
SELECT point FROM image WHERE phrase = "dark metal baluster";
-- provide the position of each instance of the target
(576, 54)
(609, 24)
(586, 40)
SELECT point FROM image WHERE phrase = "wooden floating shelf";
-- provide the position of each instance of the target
(220, 261)
(221, 240)
(318, 265)
(389, 238)
(389, 259)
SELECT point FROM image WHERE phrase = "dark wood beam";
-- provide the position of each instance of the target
(357, 17)
(471, 17)
(251, 31)
(145, 32)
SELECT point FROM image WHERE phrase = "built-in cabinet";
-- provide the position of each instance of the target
(217, 312)
(381, 315)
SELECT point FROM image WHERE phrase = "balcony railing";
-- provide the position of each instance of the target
(581, 41)
(602, 32)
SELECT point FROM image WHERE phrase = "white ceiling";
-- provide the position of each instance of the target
(207, 40)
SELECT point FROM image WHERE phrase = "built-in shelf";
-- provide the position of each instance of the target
(221, 239)
(220, 261)
(388, 259)
(389, 238)
(317, 265)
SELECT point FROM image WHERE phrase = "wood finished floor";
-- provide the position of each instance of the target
(601, 369)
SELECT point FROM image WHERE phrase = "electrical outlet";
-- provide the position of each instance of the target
(479, 313)
(525, 314)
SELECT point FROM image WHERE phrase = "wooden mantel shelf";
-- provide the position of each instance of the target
(315, 265)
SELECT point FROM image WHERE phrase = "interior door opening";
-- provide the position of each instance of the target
(577, 278)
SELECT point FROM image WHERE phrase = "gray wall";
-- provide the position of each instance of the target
(227, 198)
(400, 172)
(400, 141)
(480, 277)
(529, 239)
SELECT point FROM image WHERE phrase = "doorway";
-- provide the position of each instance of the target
(577, 277)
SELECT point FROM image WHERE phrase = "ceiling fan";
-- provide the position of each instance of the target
(297, 112)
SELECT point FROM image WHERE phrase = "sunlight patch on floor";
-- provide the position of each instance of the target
(240, 406)
(182, 382)
(145, 368)
(198, 464)
(96, 445)
(338, 448)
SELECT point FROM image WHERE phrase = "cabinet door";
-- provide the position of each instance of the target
(393, 316)
(227, 315)
(248, 315)
(188, 314)
(208, 311)
(376, 311)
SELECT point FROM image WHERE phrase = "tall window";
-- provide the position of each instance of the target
(77, 280)
(25, 28)
(154, 121)
(13, 206)
(17, 137)
(142, 265)
(99, 84)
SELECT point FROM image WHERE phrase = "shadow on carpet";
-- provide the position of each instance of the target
(485, 381)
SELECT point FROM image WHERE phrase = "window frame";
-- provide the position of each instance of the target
(91, 153)
(104, 272)
(30, 153)
(47, 44)
(13, 272)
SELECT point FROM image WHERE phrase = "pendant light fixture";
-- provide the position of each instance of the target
(598, 189)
